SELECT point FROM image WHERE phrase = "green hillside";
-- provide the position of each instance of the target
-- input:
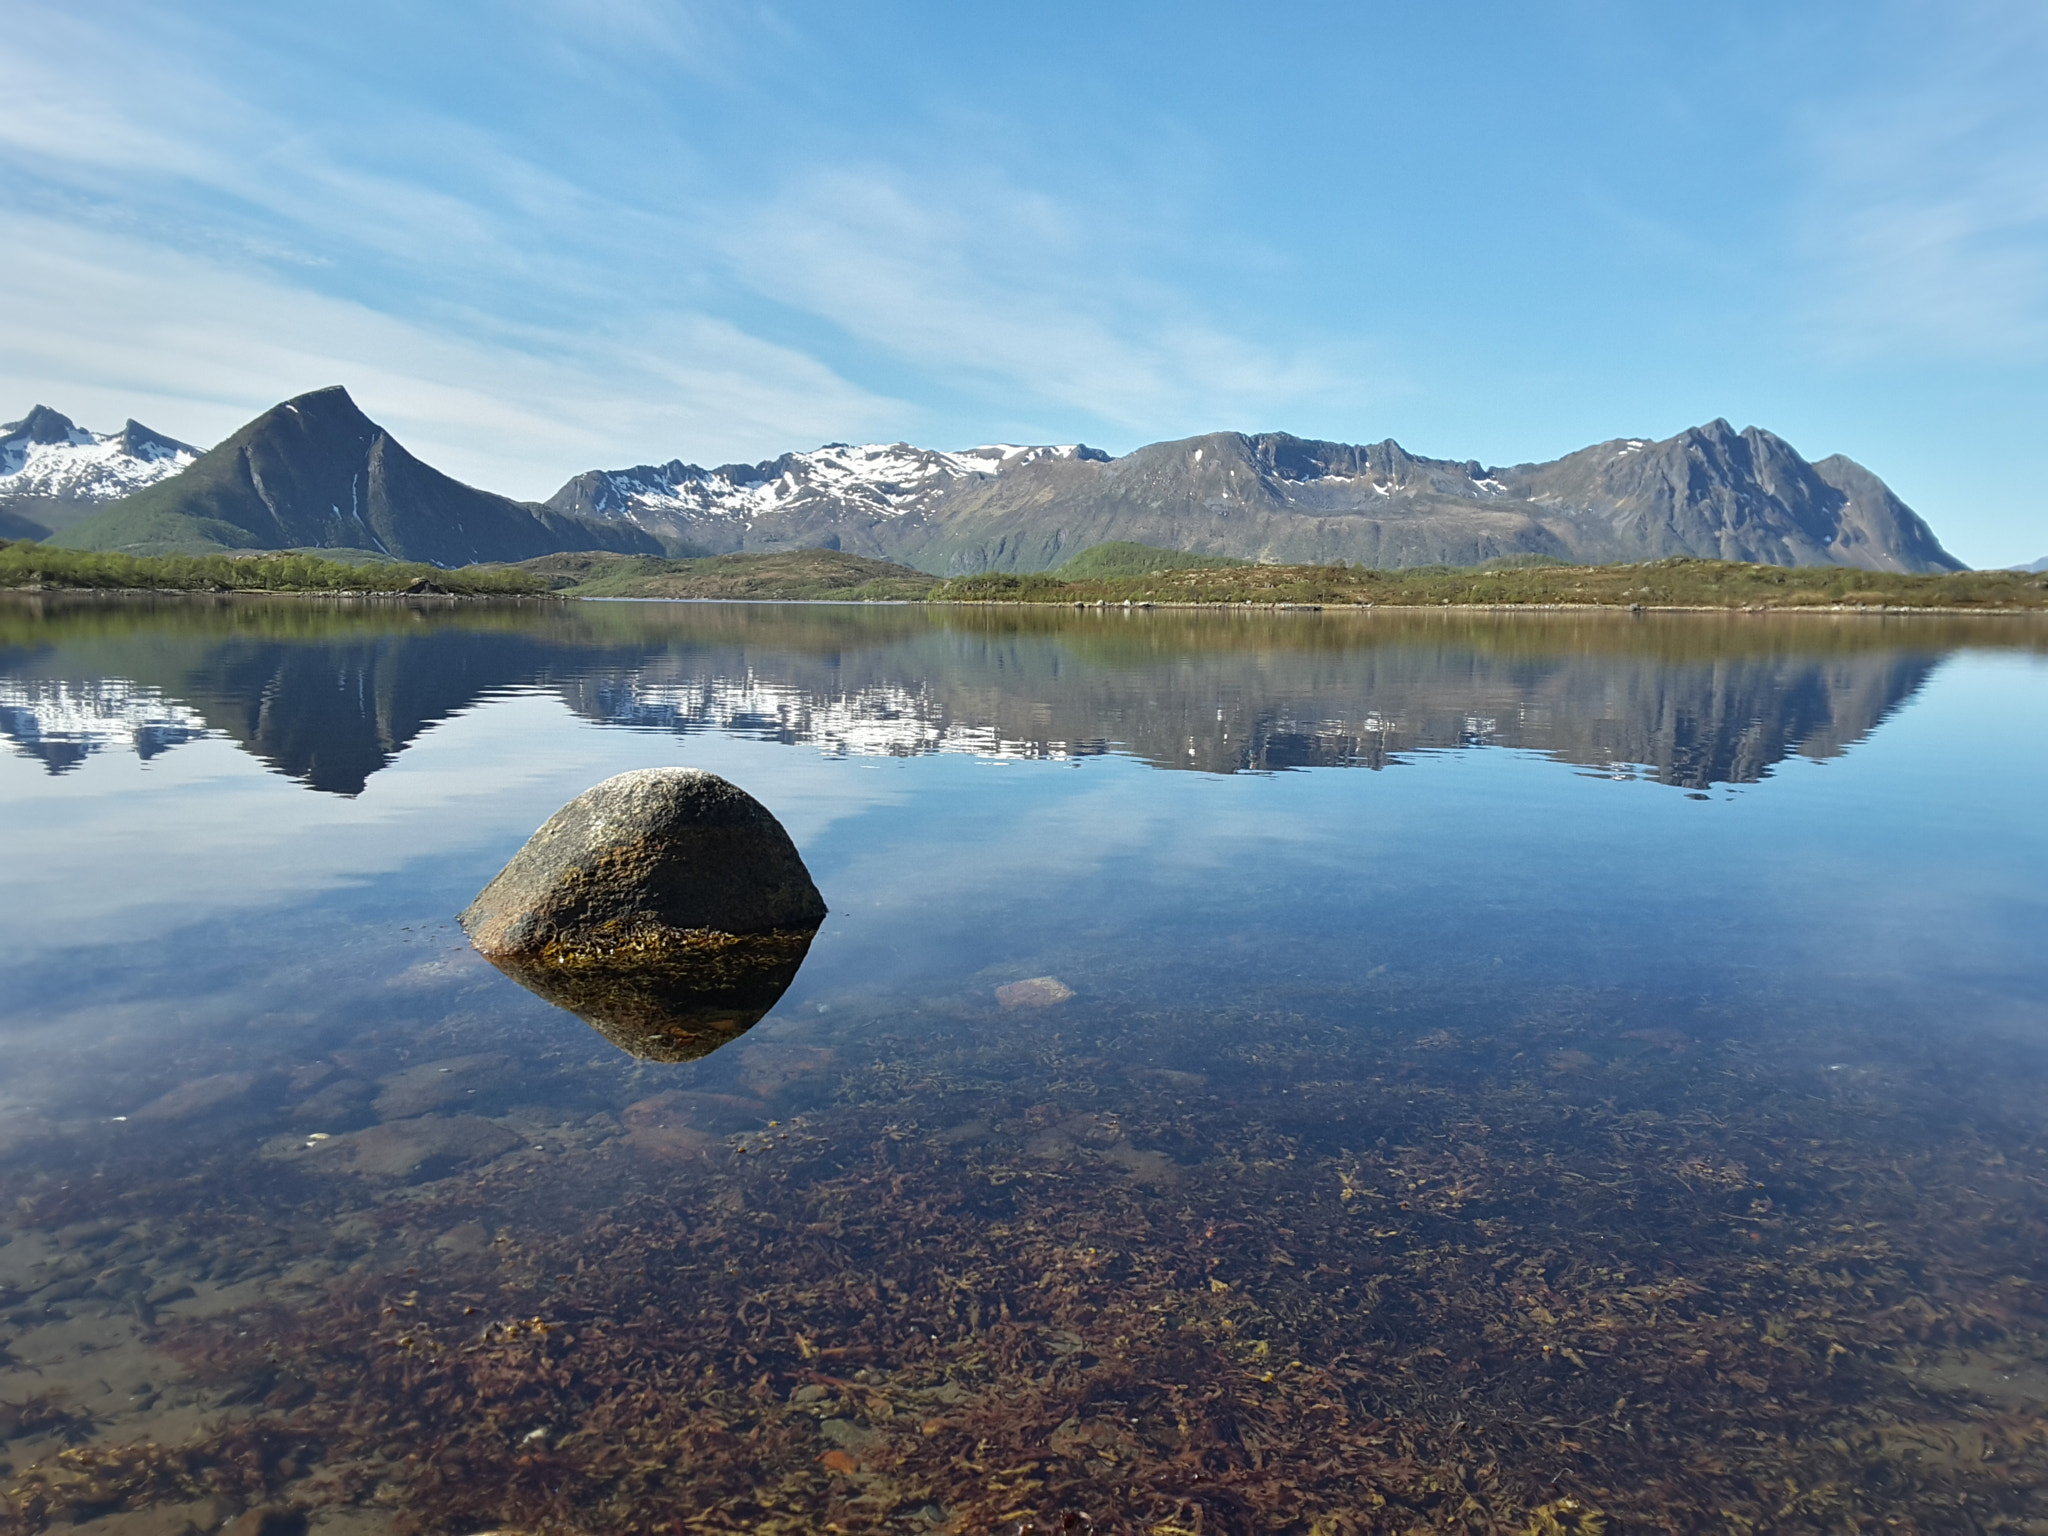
(150, 523)
(28, 565)
(1122, 558)
(786, 575)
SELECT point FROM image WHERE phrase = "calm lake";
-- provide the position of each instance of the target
(1520, 1074)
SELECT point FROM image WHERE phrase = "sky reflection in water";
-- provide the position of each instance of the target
(1543, 895)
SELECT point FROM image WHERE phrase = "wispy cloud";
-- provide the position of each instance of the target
(205, 211)
(610, 42)
(200, 163)
(1011, 290)
(189, 256)
(1926, 224)
(105, 327)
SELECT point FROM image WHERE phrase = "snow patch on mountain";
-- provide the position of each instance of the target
(884, 480)
(46, 455)
(1014, 454)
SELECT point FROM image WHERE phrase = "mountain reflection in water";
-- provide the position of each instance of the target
(329, 693)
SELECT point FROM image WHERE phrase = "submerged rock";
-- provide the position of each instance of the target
(435, 1084)
(421, 1148)
(666, 907)
(203, 1095)
(1038, 992)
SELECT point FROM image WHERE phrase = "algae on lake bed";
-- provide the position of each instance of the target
(1217, 1272)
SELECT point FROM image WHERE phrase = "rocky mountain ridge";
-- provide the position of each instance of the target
(1709, 491)
(54, 472)
(842, 490)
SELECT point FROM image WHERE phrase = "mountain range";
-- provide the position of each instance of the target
(315, 472)
(1709, 491)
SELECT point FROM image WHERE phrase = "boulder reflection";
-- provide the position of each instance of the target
(682, 1006)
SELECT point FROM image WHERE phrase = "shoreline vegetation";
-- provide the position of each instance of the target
(29, 566)
(1108, 576)
(1519, 582)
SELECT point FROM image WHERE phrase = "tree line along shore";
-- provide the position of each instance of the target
(1106, 576)
(31, 566)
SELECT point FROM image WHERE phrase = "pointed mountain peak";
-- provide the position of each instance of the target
(333, 404)
(327, 414)
(1716, 431)
(143, 442)
(41, 425)
(332, 397)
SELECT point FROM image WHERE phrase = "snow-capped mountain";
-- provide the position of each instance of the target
(53, 471)
(1708, 491)
(799, 498)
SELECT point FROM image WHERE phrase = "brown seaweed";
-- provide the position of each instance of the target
(1631, 1283)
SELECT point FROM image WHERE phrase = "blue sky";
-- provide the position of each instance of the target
(536, 237)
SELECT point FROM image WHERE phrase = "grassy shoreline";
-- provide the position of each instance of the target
(27, 566)
(799, 575)
(1677, 585)
(1865, 610)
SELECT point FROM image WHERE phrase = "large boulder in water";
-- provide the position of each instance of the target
(666, 907)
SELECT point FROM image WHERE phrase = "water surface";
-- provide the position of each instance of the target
(1516, 1069)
